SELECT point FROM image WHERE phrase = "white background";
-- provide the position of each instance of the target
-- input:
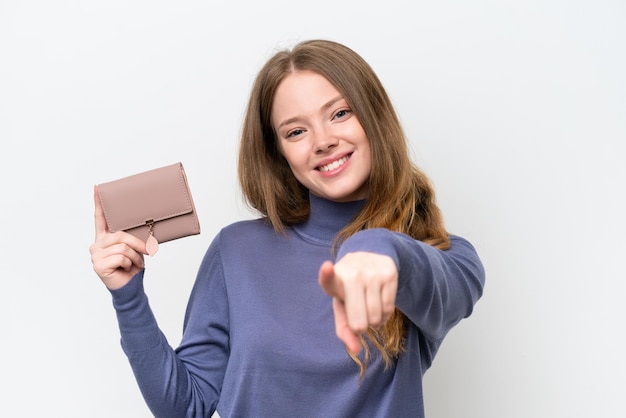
(516, 110)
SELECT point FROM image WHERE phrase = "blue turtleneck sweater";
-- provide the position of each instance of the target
(259, 337)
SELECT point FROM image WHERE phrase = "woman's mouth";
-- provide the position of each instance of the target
(335, 164)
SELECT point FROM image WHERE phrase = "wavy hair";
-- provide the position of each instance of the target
(400, 196)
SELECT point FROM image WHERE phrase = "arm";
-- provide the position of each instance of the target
(181, 383)
(185, 382)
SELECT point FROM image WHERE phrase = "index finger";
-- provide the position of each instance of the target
(101, 222)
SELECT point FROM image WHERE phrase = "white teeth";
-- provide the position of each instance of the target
(334, 164)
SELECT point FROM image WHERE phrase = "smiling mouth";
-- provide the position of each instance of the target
(335, 164)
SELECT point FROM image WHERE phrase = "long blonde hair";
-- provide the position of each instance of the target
(400, 196)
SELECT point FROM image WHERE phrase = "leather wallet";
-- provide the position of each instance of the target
(155, 203)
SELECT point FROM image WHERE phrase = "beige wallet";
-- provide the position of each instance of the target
(156, 205)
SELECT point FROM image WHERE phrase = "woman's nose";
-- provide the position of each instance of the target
(324, 141)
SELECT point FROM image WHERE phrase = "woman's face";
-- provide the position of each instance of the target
(322, 140)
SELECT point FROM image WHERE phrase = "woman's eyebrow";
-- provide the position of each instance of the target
(324, 106)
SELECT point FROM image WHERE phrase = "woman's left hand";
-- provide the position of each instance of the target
(363, 286)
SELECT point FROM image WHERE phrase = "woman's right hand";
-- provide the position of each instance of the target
(117, 256)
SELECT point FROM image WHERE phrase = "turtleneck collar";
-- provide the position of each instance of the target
(327, 218)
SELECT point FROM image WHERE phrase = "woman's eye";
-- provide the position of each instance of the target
(294, 133)
(342, 113)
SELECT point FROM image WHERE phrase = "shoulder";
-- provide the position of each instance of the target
(460, 244)
(238, 238)
(245, 233)
(246, 227)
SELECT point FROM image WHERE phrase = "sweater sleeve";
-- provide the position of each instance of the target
(185, 382)
(436, 288)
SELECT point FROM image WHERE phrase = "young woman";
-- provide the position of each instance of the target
(334, 302)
